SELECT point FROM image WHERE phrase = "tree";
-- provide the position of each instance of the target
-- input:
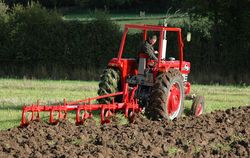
(230, 35)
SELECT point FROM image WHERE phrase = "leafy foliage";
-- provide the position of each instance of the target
(226, 45)
(41, 36)
(34, 38)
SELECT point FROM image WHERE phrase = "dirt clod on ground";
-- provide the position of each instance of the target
(218, 134)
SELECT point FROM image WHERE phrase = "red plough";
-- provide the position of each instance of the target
(83, 109)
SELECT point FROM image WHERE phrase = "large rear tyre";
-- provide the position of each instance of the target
(110, 82)
(167, 96)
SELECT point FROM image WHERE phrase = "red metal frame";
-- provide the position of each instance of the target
(146, 28)
(129, 66)
(83, 109)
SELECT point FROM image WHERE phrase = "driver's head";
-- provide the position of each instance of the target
(152, 39)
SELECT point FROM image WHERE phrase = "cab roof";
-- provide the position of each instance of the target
(152, 27)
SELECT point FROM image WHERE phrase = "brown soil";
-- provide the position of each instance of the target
(218, 134)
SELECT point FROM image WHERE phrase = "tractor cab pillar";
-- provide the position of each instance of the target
(142, 63)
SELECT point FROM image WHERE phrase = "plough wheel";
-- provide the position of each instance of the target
(167, 96)
(110, 82)
(131, 116)
(198, 106)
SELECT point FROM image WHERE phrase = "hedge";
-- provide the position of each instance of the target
(37, 43)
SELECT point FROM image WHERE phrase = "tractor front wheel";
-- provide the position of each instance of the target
(110, 82)
(167, 96)
(198, 106)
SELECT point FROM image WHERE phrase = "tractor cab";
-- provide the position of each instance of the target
(141, 65)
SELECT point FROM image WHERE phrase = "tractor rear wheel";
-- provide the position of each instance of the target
(110, 82)
(167, 96)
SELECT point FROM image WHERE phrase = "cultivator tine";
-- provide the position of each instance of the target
(103, 116)
(106, 112)
(27, 118)
(80, 118)
(82, 108)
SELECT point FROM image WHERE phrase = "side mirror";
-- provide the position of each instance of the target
(188, 36)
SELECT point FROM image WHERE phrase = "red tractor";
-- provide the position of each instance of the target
(162, 86)
(132, 85)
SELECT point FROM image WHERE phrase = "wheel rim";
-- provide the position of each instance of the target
(198, 111)
(174, 101)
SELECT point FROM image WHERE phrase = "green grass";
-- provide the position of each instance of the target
(82, 16)
(222, 97)
(225, 147)
(175, 20)
(221, 146)
(122, 19)
(173, 150)
(15, 93)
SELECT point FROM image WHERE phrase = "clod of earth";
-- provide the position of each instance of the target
(219, 134)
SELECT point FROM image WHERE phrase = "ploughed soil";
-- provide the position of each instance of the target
(217, 134)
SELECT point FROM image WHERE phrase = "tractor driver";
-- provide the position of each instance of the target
(147, 47)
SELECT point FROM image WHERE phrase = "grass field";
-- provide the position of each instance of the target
(133, 18)
(14, 93)
(82, 16)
